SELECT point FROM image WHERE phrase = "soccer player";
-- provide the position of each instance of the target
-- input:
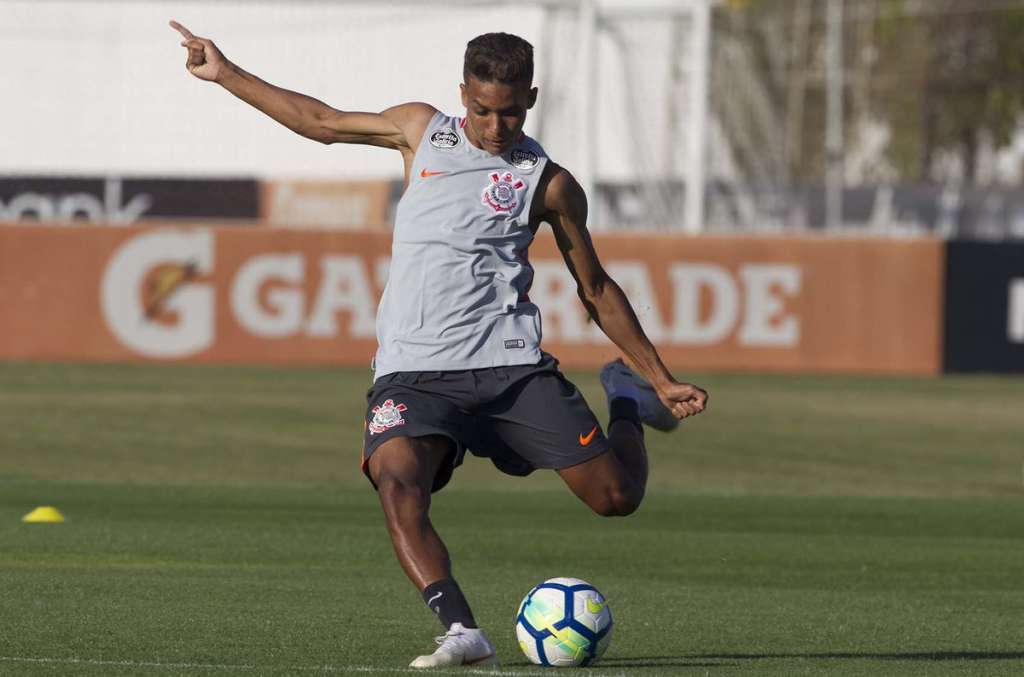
(459, 365)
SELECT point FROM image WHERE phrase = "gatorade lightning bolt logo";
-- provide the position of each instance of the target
(386, 416)
(502, 193)
(161, 284)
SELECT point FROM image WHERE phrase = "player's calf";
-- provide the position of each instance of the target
(403, 470)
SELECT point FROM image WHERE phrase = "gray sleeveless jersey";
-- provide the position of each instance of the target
(456, 296)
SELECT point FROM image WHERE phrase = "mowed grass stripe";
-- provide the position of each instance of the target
(206, 667)
(781, 435)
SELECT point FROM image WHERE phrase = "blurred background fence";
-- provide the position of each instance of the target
(911, 109)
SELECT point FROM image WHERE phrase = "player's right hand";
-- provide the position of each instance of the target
(683, 399)
(205, 61)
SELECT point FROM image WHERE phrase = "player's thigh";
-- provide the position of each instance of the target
(410, 461)
(421, 430)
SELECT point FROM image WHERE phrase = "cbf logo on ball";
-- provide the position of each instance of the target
(502, 193)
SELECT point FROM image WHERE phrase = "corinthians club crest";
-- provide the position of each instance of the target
(386, 416)
(502, 193)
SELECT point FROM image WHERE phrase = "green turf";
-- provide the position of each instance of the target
(217, 525)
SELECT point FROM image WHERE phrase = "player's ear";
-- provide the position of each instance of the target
(533, 98)
(462, 93)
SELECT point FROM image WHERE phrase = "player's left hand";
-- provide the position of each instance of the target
(683, 399)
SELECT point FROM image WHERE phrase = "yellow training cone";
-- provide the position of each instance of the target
(43, 514)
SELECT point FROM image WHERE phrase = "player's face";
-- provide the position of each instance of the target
(495, 112)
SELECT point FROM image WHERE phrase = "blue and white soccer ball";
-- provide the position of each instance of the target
(564, 622)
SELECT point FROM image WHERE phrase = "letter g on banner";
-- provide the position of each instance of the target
(148, 300)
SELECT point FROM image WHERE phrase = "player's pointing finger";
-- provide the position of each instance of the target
(186, 33)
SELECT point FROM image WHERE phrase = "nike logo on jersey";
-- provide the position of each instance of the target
(585, 439)
(427, 174)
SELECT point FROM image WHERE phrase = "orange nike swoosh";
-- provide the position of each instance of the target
(585, 439)
(425, 174)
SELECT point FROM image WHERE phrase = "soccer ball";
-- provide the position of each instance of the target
(564, 622)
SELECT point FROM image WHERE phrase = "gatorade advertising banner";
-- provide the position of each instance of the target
(985, 307)
(283, 296)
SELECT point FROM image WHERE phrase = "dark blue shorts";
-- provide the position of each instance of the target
(521, 417)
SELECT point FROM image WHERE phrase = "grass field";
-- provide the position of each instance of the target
(218, 525)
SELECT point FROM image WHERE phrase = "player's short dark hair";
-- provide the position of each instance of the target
(499, 57)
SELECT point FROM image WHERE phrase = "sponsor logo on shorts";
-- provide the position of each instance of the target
(502, 193)
(386, 416)
(444, 139)
(514, 343)
(585, 440)
(524, 159)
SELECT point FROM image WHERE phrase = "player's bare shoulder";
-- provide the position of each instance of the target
(412, 119)
(559, 196)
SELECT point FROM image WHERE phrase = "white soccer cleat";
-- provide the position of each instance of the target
(621, 381)
(459, 646)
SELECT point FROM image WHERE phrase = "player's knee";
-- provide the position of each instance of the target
(617, 502)
(401, 498)
(626, 503)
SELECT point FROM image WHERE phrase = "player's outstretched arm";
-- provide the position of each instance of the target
(399, 127)
(565, 206)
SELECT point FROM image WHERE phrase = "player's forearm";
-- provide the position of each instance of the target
(300, 113)
(611, 310)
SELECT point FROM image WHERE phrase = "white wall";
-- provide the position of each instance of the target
(100, 87)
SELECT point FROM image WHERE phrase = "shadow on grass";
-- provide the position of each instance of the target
(724, 660)
(641, 662)
(687, 660)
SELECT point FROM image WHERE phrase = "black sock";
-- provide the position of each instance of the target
(625, 409)
(446, 600)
